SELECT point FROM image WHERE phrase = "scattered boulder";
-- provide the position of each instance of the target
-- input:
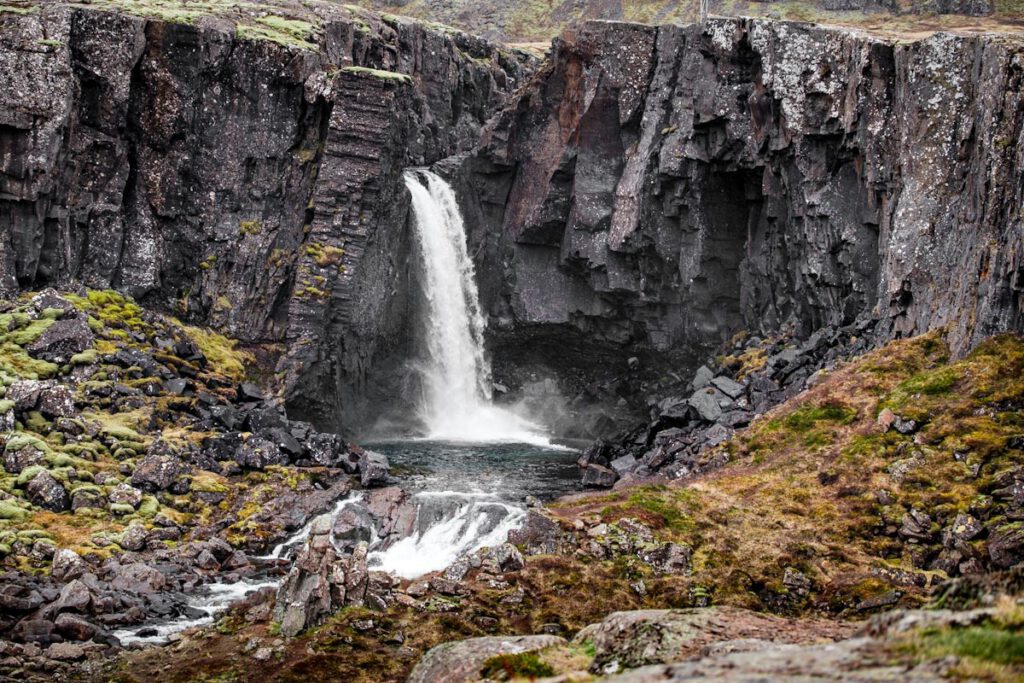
(66, 652)
(18, 458)
(123, 494)
(624, 465)
(134, 537)
(63, 339)
(15, 598)
(256, 452)
(373, 468)
(1006, 545)
(74, 627)
(46, 492)
(705, 402)
(247, 391)
(727, 386)
(539, 534)
(25, 394)
(507, 557)
(461, 661)
(158, 473)
(67, 565)
(57, 401)
(598, 476)
(75, 596)
(137, 577)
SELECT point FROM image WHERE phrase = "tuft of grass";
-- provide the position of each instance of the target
(522, 665)
(378, 73)
(221, 353)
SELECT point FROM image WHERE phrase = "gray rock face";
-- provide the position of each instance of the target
(48, 493)
(257, 185)
(752, 175)
(461, 661)
(321, 582)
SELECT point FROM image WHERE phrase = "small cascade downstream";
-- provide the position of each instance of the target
(465, 477)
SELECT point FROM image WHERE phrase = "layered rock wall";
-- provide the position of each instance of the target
(665, 186)
(242, 183)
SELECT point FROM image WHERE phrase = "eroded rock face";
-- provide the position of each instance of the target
(666, 186)
(245, 184)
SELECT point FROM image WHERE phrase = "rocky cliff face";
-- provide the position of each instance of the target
(650, 192)
(241, 182)
(664, 187)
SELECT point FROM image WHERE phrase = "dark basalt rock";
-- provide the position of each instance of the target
(373, 468)
(48, 493)
(63, 339)
(243, 183)
(158, 472)
(746, 175)
(257, 452)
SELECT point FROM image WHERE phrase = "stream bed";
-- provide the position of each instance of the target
(467, 496)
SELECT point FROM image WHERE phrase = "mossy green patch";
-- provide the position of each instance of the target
(12, 512)
(378, 73)
(221, 353)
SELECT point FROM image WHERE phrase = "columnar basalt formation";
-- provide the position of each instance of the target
(651, 189)
(658, 187)
(243, 183)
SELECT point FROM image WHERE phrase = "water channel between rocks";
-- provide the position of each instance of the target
(465, 496)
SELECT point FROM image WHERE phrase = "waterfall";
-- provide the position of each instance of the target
(456, 402)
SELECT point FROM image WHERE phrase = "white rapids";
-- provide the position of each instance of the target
(215, 599)
(449, 524)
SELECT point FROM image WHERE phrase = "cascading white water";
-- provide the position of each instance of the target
(456, 404)
(449, 524)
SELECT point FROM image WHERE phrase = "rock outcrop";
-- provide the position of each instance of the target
(238, 181)
(659, 187)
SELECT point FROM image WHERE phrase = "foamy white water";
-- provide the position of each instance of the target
(216, 598)
(456, 405)
(449, 525)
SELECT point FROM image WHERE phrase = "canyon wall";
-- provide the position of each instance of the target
(649, 191)
(660, 188)
(247, 184)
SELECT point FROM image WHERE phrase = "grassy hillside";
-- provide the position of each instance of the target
(866, 492)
